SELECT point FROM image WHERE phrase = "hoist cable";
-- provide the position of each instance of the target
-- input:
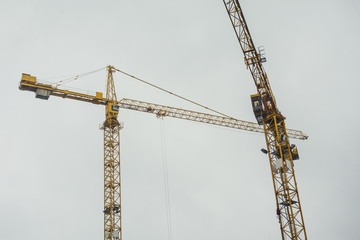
(176, 95)
(76, 77)
(166, 179)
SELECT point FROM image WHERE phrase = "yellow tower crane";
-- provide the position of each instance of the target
(281, 153)
(111, 127)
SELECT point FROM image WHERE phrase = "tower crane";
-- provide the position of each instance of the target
(281, 154)
(112, 127)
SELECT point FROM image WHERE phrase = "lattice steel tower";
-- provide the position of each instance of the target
(281, 153)
(112, 177)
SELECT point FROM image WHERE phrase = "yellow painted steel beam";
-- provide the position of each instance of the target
(34, 86)
(157, 109)
(278, 146)
(251, 57)
(112, 180)
(112, 174)
(165, 111)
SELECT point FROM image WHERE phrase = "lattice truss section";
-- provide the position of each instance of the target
(285, 186)
(251, 57)
(165, 111)
(112, 190)
(156, 109)
(287, 199)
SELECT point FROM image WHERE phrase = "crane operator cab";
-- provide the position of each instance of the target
(112, 110)
(257, 108)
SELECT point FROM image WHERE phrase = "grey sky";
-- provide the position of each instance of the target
(51, 173)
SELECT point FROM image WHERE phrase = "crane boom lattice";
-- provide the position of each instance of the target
(152, 108)
(279, 150)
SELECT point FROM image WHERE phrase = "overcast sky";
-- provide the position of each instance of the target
(51, 166)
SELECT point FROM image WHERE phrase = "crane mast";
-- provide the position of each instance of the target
(279, 150)
(112, 178)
